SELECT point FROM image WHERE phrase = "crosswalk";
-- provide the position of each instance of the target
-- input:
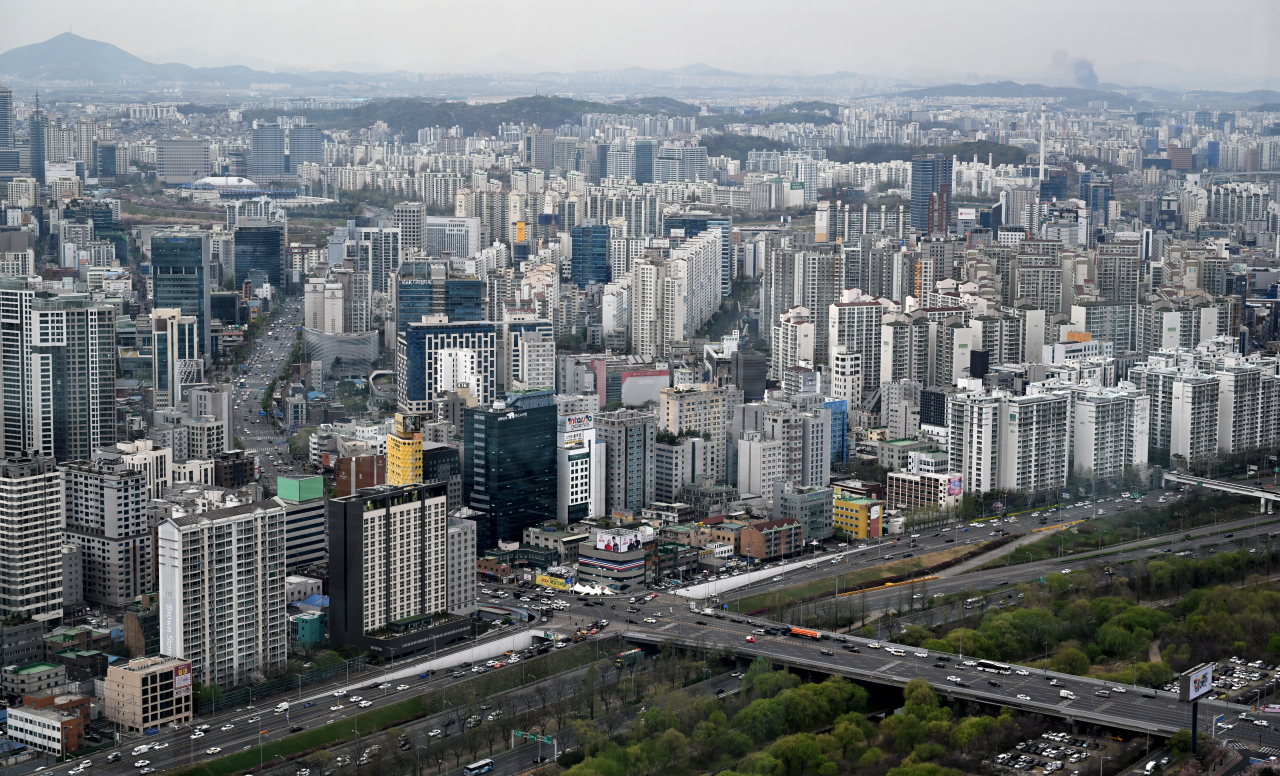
(1269, 750)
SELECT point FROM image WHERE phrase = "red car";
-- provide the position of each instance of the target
(751, 639)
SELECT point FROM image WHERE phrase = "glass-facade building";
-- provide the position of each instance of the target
(839, 429)
(509, 465)
(260, 248)
(695, 224)
(462, 299)
(180, 277)
(590, 255)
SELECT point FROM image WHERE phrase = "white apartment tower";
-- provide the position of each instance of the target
(31, 521)
(461, 564)
(222, 597)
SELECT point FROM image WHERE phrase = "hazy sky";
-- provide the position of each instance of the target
(926, 39)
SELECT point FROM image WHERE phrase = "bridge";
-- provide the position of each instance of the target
(1262, 494)
(1126, 707)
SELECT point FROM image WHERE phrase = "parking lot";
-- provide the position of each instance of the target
(1052, 752)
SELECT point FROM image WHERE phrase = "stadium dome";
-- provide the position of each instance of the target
(226, 183)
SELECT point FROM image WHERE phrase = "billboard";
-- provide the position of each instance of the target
(955, 486)
(617, 541)
(182, 680)
(571, 423)
(556, 583)
(1196, 682)
(967, 214)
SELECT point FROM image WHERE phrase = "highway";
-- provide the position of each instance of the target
(266, 360)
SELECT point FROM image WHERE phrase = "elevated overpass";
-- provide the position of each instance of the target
(1263, 494)
(1126, 707)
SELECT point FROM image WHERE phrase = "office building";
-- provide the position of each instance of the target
(175, 357)
(435, 355)
(149, 692)
(222, 596)
(615, 558)
(32, 498)
(52, 723)
(908, 491)
(106, 515)
(509, 465)
(857, 517)
(261, 233)
(181, 277)
(6, 117)
(305, 542)
(432, 288)
(931, 193)
(268, 160)
(580, 466)
(811, 506)
(182, 161)
(590, 258)
(378, 251)
(306, 146)
(59, 381)
(388, 578)
(460, 567)
(38, 128)
(629, 438)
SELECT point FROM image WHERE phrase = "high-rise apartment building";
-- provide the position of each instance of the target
(509, 465)
(1031, 443)
(629, 437)
(59, 381)
(38, 125)
(106, 515)
(460, 567)
(389, 544)
(32, 495)
(306, 146)
(1110, 431)
(222, 596)
(181, 277)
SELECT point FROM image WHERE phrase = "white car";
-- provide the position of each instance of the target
(163, 745)
(953, 679)
(197, 734)
(142, 763)
(339, 693)
(227, 727)
(353, 699)
(650, 620)
(1021, 672)
(1024, 697)
(401, 687)
(1066, 571)
(365, 704)
(336, 707)
(1117, 689)
(434, 734)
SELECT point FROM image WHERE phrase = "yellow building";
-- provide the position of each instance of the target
(404, 451)
(858, 517)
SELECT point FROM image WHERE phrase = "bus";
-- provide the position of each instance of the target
(806, 633)
(968, 604)
(480, 766)
(994, 667)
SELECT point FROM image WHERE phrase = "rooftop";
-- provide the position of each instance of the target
(36, 668)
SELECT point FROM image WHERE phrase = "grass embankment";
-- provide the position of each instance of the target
(1183, 515)
(850, 580)
(416, 707)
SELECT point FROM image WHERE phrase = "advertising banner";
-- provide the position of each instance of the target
(1196, 682)
(611, 541)
(182, 680)
(556, 583)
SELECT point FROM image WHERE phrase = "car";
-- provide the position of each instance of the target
(650, 620)
(163, 745)
(1022, 672)
(434, 734)
(401, 687)
(197, 734)
(141, 763)
(751, 639)
(336, 707)
(1024, 697)
(227, 727)
(339, 693)
(145, 771)
(826, 652)
(1117, 689)
(953, 678)
(993, 683)
(365, 704)
(1261, 723)
(213, 750)
(384, 686)
(254, 719)
(352, 699)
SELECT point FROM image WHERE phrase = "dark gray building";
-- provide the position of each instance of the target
(180, 276)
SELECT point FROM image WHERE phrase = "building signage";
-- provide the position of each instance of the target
(1196, 682)
(556, 583)
(581, 422)
(617, 541)
(182, 680)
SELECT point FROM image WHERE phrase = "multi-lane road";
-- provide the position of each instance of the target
(267, 358)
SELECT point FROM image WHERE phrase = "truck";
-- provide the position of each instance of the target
(1067, 694)
(1151, 766)
(282, 707)
(805, 633)
(628, 658)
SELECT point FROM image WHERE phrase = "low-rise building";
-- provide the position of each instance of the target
(913, 491)
(552, 536)
(149, 692)
(772, 539)
(17, 681)
(857, 517)
(48, 722)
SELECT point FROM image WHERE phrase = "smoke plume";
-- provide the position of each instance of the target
(1081, 69)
